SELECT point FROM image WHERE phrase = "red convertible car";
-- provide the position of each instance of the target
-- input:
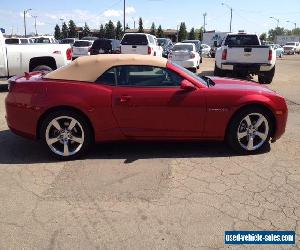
(132, 97)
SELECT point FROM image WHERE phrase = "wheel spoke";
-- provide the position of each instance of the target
(66, 148)
(56, 124)
(259, 122)
(250, 143)
(50, 141)
(248, 120)
(261, 135)
(77, 139)
(242, 135)
(72, 124)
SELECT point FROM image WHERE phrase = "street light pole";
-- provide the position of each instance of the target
(204, 24)
(229, 7)
(295, 24)
(124, 16)
(25, 12)
(276, 19)
(35, 17)
(62, 22)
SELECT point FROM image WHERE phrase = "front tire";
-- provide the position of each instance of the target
(250, 130)
(66, 134)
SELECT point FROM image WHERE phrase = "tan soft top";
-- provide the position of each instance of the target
(89, 68)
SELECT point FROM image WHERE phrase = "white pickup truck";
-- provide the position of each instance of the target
(15, 59)
(140, 43)
(243, 54)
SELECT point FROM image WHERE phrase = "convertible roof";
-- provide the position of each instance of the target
(89, 68)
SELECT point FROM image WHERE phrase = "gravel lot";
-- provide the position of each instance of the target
(151, 195)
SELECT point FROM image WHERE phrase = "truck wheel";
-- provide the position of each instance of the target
(218, 72)
(43, 68)
(267, 77)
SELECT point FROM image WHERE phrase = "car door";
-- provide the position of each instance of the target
(148, 102)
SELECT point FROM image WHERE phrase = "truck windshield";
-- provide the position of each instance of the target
(241, 40)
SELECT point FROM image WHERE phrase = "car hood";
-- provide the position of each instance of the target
(238, 85)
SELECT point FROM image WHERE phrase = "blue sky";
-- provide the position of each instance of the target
(251, 16)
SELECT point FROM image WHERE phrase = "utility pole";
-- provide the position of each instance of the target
(25, 12)
(295, 24)
(133, 22)
(124, 16)
(229, 7)
(35, 17)
(204, 23)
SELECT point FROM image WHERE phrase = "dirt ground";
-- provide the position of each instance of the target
(151, 195)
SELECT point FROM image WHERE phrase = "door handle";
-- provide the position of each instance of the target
(125, 98)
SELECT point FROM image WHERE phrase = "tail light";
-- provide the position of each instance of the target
(192, 55)
(270, 55)
(224, 54)
(69, 54)
(149, 50)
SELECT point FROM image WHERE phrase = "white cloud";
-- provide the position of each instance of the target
(51, 16)
(130, 10)
(38, 23)
(112, 13)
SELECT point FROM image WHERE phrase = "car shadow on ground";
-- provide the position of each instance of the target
(18, 150)
(3, 87)
(245, 78)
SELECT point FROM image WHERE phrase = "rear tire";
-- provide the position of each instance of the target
(43, 68)
(249, 131)
(267, 77)
(66, 134)
(219, 72)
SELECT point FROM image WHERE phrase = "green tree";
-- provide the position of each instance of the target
(182, 33)
(127, 27)
(64, 31)
(141, 28)
(296, 31)
(192, 35)
(72, 29)
(119, 31)
(278, 31)
(160, 32)
(86, 30)
(101, 31)
(57, 33)
(152, 29)
(263, 37)
(110, 31)
(199, 33)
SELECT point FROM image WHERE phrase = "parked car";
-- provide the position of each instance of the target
(105, 46)
(278, 49)
(17, 40)
(185, 55)
(198, 47)
(70, 41)
(81, 48)
(137, 97)
(44, 39)
(19, 58)
(166, 44)
(89, 38)
(243, 54)
(205, 49)
(140, 43)
(291, 48)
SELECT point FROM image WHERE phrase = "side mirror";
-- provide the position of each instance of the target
(187, 85)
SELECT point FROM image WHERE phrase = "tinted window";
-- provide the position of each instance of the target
(42, 40)
(147, 76)
(104, 44)
(132, 39)
(82, 44)
(151, 40)
(183, 47)
(24, 41)
(67, 41)
(12, 41)
(108, 77)
(241, 40)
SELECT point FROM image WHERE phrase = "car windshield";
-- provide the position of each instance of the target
(241, 40)
(134, 40)
(183, 47)
(82, 44)
(161, 41)
(191, 74)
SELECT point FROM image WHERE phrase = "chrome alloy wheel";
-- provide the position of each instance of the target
(253, 131)
(64, 136)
